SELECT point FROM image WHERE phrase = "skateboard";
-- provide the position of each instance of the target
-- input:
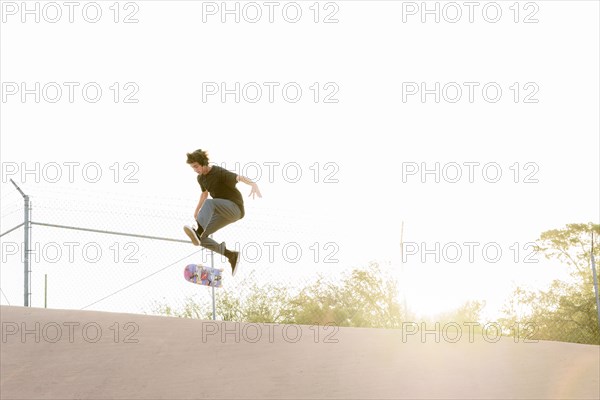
(203, 275)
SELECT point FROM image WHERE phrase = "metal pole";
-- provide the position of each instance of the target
(212, 265)
(213, 301)
(595, 282)
(26, 245)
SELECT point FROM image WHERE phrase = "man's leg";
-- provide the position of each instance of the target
(214, 215)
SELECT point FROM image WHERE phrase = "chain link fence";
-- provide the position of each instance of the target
(128, 254)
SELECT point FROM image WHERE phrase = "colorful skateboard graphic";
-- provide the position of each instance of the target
(203, 275)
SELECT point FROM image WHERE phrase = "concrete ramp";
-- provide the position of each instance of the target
(50, 354)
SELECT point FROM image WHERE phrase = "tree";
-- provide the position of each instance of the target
(258, 303)
(363, 298)
(566, 311)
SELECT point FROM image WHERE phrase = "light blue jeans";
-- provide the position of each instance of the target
(214, 215)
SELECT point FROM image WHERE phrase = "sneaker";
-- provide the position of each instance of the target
(192, 234)
(233, 261)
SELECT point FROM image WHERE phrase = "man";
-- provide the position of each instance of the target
(225, 206)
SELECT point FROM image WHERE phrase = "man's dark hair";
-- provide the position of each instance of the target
(200, 156)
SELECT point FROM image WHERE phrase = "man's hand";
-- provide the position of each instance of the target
(255, 191)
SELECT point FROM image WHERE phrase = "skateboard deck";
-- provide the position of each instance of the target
(203, 275)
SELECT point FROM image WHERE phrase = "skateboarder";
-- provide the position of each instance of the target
(225, 206)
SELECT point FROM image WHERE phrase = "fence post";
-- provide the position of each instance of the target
(212, 265)
(26, 250)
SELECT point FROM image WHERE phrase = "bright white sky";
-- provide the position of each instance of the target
(366, 137)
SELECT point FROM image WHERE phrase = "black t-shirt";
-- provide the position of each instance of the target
(220, 183)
